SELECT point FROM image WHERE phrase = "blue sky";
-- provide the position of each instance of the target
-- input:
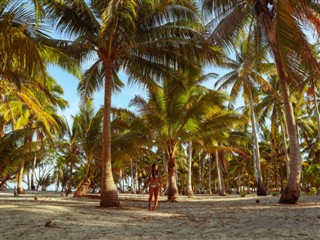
(69, 83)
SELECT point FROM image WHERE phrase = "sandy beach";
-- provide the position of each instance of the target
(48, 215)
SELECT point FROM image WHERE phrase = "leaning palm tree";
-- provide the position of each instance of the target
(283, 25)
(141, 37)
(89, 127)
(14, 152)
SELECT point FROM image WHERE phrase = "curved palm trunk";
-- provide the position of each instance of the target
(189, 185)
(291, 192)
(84, 187)
(256, 153)
(172, 181)
(109, 194)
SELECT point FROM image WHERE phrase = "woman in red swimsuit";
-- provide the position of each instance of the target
(154, 186)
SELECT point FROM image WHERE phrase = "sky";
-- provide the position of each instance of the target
(69, 83)
(121, 100)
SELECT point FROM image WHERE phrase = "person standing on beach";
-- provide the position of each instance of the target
(154, 186)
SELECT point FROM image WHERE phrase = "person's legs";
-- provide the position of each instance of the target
(156, 193)
(150, 197)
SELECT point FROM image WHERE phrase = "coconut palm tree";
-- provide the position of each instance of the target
(141, 37)
(14, 152)
(270, 107)
(289, 46)
(246, 76)
(34, 107)
(89, 126)
(180, 111)
(189, 183)
(25, 47)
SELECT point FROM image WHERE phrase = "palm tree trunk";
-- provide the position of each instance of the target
(109, 194)
(21, 170)
(317, 159)
(133, 188)
(284, 140)
(135, 182)
(172, 183)
(291, 193)
(256, 153)
(317, 114)
(199, 177)
(221, 188)
(20, 189)
(209, 175)
(69, 190)
(239, 182)
(189, 186)
(121, 183)
(84, 187)
(202, 176)
(200, 172)
(165, 169)
(33, 187)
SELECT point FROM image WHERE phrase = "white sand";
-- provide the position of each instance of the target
(199, 217)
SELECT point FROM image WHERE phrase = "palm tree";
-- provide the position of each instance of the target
(189, 183)
(270, 107)
(289, 45)
(32, 106)
(14, 152)
(180, 111)
(245, 74)
(139, 36)
(89, 127)
(272, 152)
(25, 47)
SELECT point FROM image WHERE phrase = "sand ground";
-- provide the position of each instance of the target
(53, 216)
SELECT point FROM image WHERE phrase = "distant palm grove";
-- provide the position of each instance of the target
(201, 138)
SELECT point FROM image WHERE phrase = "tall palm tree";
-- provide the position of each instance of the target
(246, 76)
(189, 183)
(289, 45)
(142, 37)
